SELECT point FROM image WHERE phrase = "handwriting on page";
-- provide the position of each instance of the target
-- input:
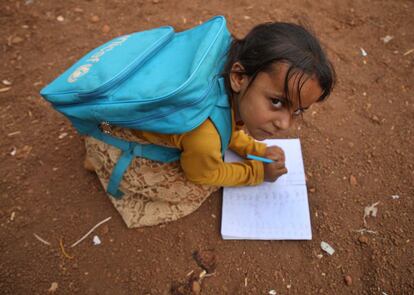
(271, 210)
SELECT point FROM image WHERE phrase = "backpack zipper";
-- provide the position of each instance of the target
(131, 123)
(99, 90)
(123, 75)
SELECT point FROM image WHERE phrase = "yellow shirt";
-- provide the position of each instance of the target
(201, 158)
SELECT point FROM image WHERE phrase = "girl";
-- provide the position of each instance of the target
(272, 76)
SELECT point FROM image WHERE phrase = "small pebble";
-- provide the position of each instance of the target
(376, 119)
(196, 288)
(387, 39)
(96, 240)
(106, 29)
(63, 135)
(363, 239)
(53, 287)
(363, 52)
(348, 280)
(17, 40)
(60, 18)
(95, 18)
(352, 180)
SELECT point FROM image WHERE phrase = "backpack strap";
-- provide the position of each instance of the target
(221, 116)
(130, 150)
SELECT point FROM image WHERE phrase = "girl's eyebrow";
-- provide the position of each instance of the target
(275, 94)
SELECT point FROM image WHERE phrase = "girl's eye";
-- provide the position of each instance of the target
(277, 103)
(298, 112)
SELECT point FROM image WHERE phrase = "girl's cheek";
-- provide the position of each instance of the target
(261, 120)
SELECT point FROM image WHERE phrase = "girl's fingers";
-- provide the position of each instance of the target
(273, 156)
(276, 155)
(283, 171)
(278, 165)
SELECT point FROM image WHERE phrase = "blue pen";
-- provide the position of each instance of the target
(257, 158)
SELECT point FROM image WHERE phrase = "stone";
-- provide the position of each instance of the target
(348, 280)
(363, 239)
(95, 18)
(352, 180)
(206, 259)
(196, 288)
(106, 29)
(53, 287)
(17, 40)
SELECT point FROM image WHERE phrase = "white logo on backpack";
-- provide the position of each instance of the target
(84, 69)
(79, 72)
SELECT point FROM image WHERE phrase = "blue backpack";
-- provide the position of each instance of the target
(155, 80)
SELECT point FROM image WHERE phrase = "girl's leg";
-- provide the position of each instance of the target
(154, 192)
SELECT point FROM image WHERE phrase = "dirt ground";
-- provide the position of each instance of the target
(357, 150)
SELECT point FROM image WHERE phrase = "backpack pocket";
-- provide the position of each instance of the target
(106, 66)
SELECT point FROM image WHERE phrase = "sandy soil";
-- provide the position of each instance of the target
(357, 149)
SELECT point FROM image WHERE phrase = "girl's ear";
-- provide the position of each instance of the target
(238, 79)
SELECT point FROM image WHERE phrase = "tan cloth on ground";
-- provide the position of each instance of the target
(154, 192)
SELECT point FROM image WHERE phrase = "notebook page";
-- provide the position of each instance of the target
(270, 211)
(294, 161)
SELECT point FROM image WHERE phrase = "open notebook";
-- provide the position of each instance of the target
(270, 211)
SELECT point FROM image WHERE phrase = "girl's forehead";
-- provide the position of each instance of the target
(299, 84)
(273, 79)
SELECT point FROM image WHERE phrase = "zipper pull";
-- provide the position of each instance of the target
(105, 127)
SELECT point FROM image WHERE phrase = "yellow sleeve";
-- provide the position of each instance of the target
(202, 161)
(243, 144)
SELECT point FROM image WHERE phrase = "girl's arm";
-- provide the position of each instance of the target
(202, 162)
(243, 144)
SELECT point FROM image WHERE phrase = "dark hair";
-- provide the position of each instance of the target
(269, 43)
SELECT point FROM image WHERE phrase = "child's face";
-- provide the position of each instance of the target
(263, 106)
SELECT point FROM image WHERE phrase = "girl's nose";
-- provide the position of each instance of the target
(284, 121)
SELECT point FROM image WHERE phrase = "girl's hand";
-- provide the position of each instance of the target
(276, 169)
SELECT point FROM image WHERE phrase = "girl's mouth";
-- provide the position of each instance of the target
(266, 133)
(261, 134)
